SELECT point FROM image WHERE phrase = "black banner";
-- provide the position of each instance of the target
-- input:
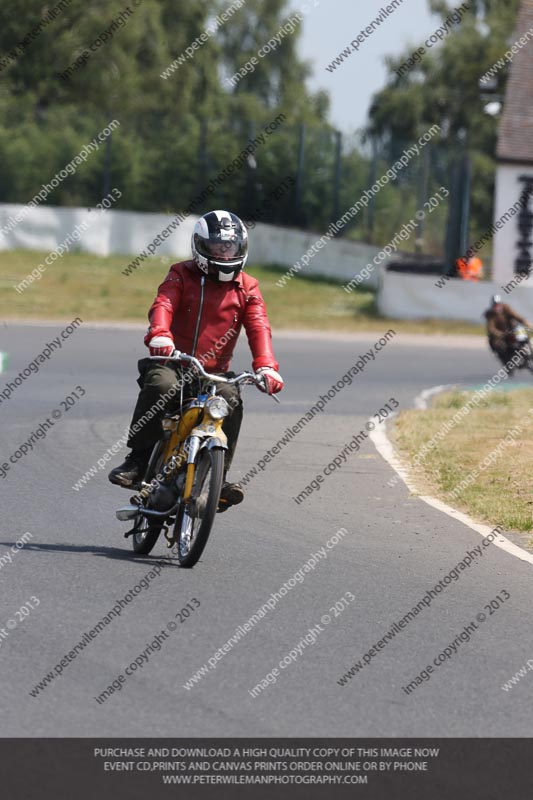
(127, 769)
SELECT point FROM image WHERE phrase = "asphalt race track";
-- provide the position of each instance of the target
(78, 565)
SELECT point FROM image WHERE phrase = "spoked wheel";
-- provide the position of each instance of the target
(508, 364)
(147, 532)
(528, 358)
(145, 536)
(194, 522)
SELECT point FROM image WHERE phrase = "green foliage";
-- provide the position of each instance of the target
(443, 87)
(176, 134)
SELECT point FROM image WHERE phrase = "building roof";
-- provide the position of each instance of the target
(515, 141)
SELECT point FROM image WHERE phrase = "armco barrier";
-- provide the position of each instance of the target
(128, 233)
(405, 296)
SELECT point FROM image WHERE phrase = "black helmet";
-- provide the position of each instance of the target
(220, 245)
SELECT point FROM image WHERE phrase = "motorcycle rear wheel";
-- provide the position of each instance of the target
(145, 537)
(147, 532)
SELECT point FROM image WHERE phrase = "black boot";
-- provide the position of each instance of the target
(131, 472)
(230, 495)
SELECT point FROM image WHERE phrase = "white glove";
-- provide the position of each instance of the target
(271, 381)
(161, 346)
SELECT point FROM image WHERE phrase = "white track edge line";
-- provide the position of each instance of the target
(421, 400)
(386, 450)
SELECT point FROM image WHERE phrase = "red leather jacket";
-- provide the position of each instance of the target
(219, 312)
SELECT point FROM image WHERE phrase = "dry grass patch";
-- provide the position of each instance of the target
(501, 492)
(94, 288)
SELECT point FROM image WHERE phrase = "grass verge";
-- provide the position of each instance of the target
(488, 451)
(94, 288)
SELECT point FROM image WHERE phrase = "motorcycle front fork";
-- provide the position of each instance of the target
(194, 446)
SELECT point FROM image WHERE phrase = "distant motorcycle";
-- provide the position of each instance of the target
(518, 349)
(183, 480)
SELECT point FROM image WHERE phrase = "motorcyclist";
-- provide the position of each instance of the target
(500, 319)
(199, 309)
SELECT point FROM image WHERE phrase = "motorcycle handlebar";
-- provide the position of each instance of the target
(244, 377)
(177, 356)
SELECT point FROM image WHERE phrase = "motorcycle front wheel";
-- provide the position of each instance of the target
(194, 520)
(528, 357)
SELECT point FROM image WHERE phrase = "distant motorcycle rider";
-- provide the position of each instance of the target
(200, 309)
(501, 318)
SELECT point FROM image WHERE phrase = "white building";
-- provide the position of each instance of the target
(513, 238)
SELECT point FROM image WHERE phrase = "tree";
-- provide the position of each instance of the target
(443, 88)
(176, 132)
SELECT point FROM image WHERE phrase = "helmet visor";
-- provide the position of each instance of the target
(225, 251)
(221, 250)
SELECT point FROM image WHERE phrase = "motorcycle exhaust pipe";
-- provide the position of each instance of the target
(127, 512)
(147, 512)
(130, 512)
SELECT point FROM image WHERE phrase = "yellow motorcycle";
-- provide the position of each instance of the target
(183, 480)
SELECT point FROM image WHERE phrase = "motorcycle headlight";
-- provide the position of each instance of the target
(217, 408)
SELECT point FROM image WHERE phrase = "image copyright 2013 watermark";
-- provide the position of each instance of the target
(140, 661)
(42, 431)
(307, 641)
(64, 247)
(451, 650)
(17, 617)
(352, 447)
(90, 635)
(287, 29)
(101, 40)
(404, 234)
(319, 405)
(450, 23)
(269, 605)
(470, 558)
(392, 173)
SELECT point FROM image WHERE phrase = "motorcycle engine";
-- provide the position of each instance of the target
(163, 497)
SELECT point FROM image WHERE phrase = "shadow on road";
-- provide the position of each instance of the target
(95, 550)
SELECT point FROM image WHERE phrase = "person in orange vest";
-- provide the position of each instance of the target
(469, 269)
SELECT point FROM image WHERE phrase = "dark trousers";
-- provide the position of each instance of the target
(499, 346)
(156, 381)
